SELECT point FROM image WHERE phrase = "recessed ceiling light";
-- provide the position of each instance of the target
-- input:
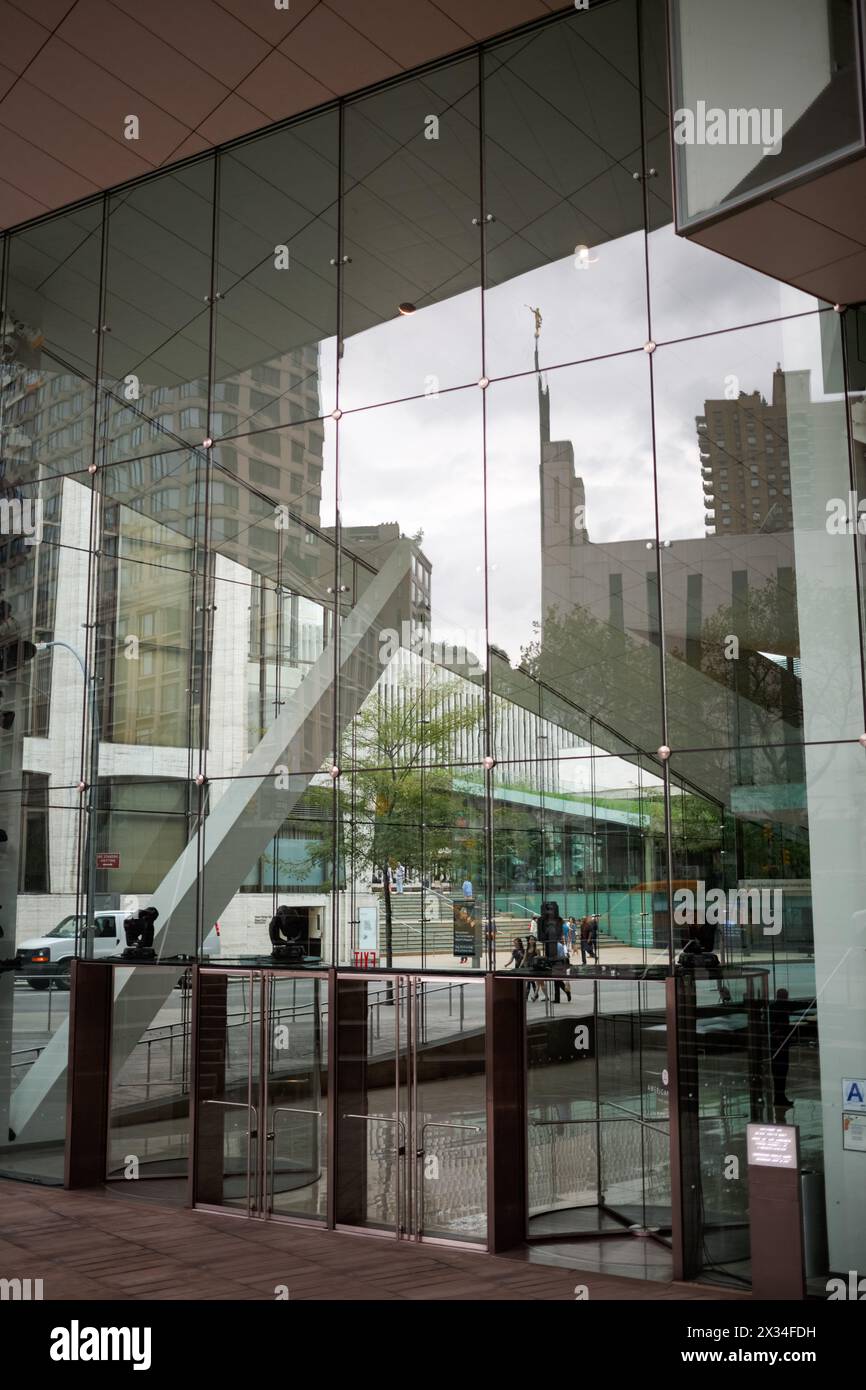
(406, 308)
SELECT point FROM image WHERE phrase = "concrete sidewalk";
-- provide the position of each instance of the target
(98, 1245)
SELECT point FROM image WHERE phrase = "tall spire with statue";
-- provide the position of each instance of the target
(543, 389)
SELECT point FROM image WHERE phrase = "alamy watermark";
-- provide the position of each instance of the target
(20, 1290)
(21, 517)
(854, 1289)
(461, 654)
(741, 125)
(758, 906)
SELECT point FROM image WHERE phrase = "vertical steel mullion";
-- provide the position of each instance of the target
(206, 605)
(416, 1179)
(399, 985)
(266, 1034)
(89, 760)
(336, 846)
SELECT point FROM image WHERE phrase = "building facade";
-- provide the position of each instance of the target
(404, 522)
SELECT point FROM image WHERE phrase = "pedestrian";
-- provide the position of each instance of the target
(518, 953)
(532, 958)
(560, 967)
(467, 888)
(399, 876)
(586, 946)
(594, 920)
(780, 1047)
(571, 931)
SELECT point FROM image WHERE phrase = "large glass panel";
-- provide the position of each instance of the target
(571, 530)
(157, 313)
(267, 864)
(414, 873)
(277, 279)
(564, 203)
(42, 828)
(759, 590)
(749, 115)
(149, 1104)
(411, 254)
(767, 863)
(146, 600)
(412, 592)
(49, 357)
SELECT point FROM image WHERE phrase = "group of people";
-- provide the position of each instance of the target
(526, 954)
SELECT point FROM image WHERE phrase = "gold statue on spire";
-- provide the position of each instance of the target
(537, 313)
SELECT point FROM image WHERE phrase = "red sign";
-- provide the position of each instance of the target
(107, 861)
(365, 959)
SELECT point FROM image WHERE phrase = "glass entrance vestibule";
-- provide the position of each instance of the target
(491, 1110)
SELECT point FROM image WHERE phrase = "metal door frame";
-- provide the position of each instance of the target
(408, 1151)
(259, 1204)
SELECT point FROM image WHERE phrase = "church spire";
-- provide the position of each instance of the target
(543, 390)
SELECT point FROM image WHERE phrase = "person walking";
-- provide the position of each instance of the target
(399, 876)
(532, 957)
(780, 1047)
(586, 946)
(560, 968)
(518, 953)
(467, 888)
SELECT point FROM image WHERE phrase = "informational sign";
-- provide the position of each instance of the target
(465, 933)
(854, 1132)
(772, 1146)
(107, 860)
(853, 1093)
(368, 929)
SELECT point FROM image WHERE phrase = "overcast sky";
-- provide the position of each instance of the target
(420, 462)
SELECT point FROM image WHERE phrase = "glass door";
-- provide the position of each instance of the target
(294, 1101)
(411, 1107)
(598, 1109)
(261, 1124)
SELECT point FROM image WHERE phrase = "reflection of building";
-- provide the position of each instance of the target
(744, 459)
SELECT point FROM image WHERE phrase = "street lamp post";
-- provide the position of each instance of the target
(92, 779)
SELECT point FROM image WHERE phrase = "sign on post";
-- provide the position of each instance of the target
(772, 1146)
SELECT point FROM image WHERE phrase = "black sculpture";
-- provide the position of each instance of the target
(286, 935)
(138, 930)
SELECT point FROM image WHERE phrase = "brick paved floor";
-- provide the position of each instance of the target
(95, 1245)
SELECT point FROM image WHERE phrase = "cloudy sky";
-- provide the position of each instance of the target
(420, 462)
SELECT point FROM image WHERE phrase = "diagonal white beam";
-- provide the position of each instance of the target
(235, 834)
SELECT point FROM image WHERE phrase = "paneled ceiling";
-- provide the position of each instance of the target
(195, 73)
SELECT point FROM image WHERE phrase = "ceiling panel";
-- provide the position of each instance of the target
(196, 73)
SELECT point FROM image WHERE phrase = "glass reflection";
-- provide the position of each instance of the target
(562, 151)
(411, 254)
(760, 603)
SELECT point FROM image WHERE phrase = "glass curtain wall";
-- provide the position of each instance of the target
(407, 488)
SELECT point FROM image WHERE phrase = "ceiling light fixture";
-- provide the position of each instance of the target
(406, 308)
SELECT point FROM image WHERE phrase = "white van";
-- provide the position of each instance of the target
(42, 959)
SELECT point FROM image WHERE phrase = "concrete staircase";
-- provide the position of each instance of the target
(428, 917)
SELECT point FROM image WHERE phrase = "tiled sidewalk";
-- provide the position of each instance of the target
(92, 1245)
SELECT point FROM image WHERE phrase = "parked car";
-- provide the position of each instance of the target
(42, 959)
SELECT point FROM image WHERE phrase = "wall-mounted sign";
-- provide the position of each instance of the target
(854, 1133)
(853, 1093)
(772, 1146)
(107, 860)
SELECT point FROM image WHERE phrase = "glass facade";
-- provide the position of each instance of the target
(440, 536)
